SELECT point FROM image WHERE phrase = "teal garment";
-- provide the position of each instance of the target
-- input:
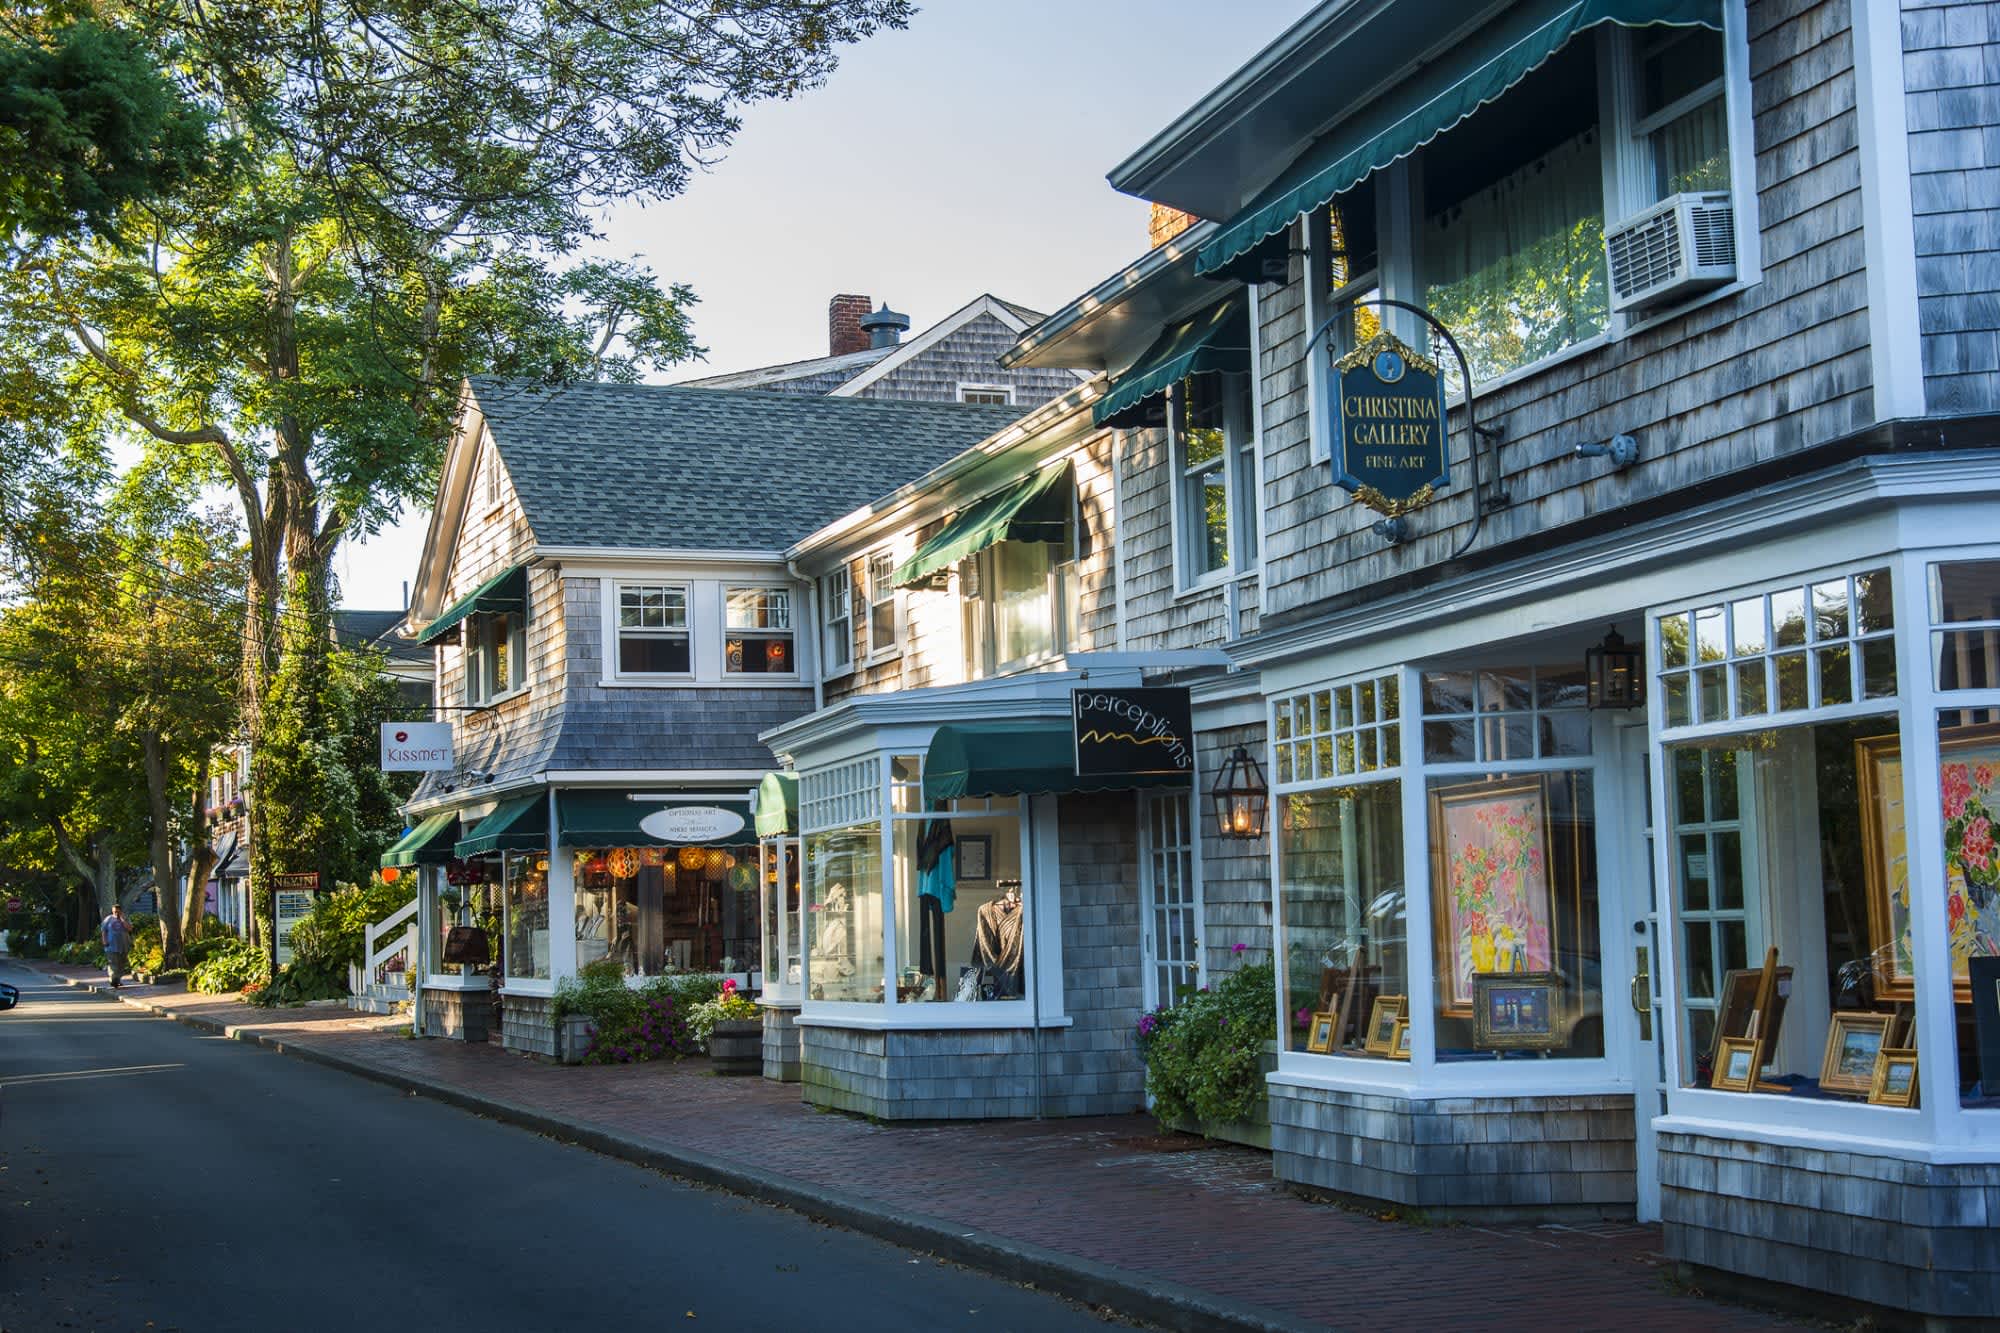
(937, 863)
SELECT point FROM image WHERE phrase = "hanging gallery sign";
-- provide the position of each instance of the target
(1390, 440)
(1121, 733)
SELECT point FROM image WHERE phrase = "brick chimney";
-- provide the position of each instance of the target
(844, 314)
(1165, 224)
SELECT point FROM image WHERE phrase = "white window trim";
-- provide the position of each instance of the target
(613, 673)
(475, 650)
(897, 597)
(1239, 441)
(795, 603)
(968, 386)
(830, 669)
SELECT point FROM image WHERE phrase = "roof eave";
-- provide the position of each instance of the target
(1172, 262)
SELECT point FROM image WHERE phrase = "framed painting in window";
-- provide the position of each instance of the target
(1492, 908)
(1969, 780)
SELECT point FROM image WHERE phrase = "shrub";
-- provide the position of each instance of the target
(653, 1029)
(649, 1023)
(81, 952)
(26, 944)
(333, 934)
(1203, 1056)
(232, 966)
(201, 950)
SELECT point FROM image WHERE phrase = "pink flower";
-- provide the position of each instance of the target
(1238, 947)
(1957, 790)
(729, 986)
(1982, 777)
(1976, 850)
(1302, 1017)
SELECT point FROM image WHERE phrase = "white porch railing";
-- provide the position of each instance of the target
(375, 987)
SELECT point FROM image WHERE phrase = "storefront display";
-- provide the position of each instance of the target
(667, 909)
(1341, 896)
(960, 923)
(527, 911)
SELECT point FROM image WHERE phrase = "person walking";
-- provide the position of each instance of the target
(116, 932)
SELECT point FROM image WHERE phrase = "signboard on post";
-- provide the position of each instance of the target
(416, 747)
(1389, 426)
(1134, 732)
(291, 899)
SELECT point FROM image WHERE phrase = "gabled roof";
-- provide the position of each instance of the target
(1016, 318)
(633, 466)
(837, 369)
(377, 629)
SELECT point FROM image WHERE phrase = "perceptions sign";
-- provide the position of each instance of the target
(1120, 733)
(1390, 447)
(416, 747)
(692, 823)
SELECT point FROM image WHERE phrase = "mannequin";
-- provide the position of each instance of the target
(998, 945)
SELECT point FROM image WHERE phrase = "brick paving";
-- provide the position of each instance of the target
(1107, 1189)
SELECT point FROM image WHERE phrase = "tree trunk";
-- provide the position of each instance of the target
(166, 888)
(201, 858)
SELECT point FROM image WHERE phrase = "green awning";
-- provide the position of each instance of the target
(517, 824)
(506, 591)
(428, 844)
(611, 819)
(1216, 339)
(778, 804)
(1016, 759)
(1034, 509)
(1430, 101)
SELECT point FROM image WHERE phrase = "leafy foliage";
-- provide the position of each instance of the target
(230, 965)
(726, 1007)
(87, 953)
(1203, 1055)
(649, 1022)
(333, 934)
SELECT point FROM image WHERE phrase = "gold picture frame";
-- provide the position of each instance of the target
(1517, 1011)
(1894, 1082)
(1493, 894)
(1854, 1040)
(1399, 1040)
(1962, 751)
(1319, 1036)
(1381, 1035)
(1737, 1061)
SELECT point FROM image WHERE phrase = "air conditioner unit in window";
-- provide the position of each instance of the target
(1682, 245)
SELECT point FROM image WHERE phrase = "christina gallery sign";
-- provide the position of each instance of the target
(1389, 445)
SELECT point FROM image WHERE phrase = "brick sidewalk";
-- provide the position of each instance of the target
(1106, 1190)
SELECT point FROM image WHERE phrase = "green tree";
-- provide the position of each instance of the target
(407, 188)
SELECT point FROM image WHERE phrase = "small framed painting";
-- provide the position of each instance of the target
(1381, 1036)
(1736, 1063)
(1984, 974)
(1852, 1044)
(1895, 1079)
(1319, 1038)
(975, 856)
(1399, 1042)
(1516, 1011)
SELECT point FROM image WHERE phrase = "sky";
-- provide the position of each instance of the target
(965, 154)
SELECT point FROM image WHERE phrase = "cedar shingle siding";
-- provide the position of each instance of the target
(1951, 75)
(969, 355)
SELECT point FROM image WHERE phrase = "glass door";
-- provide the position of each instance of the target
(1170, 892)
(1648, 1064)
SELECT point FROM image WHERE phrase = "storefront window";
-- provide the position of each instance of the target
(961, 914)
(844, 913)
(1341, 892)
(667, 909)
(527, 903)
(464, 899)
(780, 905)
(1514, 913)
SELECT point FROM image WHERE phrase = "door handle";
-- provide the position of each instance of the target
(1642, 992)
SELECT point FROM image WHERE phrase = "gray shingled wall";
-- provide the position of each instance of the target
(969, 355)
(1159, 614)
(1951, 76)
(1235, 872)
(1777, 368)
(1903, 1234)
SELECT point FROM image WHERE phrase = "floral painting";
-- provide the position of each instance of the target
(1969, 783)
(1491, 903)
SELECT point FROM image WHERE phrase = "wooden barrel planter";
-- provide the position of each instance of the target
(736, 1046)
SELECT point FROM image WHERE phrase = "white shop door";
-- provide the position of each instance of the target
(1170, 899)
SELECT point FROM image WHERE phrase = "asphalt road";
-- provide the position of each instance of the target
(153, 1178)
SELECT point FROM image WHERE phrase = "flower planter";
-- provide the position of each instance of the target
(736, 1046)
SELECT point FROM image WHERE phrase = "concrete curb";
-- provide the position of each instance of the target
(1169, 1305)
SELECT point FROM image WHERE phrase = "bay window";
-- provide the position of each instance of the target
(653, 630)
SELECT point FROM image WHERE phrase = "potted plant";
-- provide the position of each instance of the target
(735, 1031)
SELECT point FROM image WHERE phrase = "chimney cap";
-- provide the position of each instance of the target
(885, 327)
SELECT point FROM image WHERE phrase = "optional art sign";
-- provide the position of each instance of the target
(1390, 447)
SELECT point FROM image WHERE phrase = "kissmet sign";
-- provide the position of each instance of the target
(1390, 447)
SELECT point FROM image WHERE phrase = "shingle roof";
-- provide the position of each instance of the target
(378, 628)
(711, 469)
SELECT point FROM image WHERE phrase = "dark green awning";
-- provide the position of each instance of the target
(778, 804)
(1431, 100)
(1216, 339)
(506, 591)
(1016, 759)
(517, 824)
(428, 844)
(611, 819)
(1034, 509)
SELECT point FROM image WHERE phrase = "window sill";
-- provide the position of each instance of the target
(1214, 583)
(528, 986)
(920, 1018)
(882, 659)
(696, 683)
(446, 981)
(499, 699)
(1722, 293)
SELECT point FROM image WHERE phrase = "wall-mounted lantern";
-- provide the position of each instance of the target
(1241, 796)
(1615, 673)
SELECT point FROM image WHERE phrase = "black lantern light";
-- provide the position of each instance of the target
(1240, 797)
(1615, 673)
